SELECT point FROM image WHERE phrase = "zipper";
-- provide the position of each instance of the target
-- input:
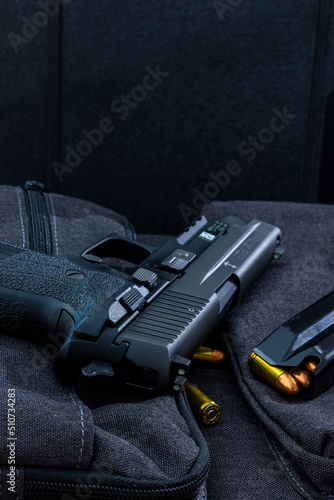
(38, 217)
(73, 489)
(60, 486)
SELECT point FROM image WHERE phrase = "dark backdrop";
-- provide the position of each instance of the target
(227, 69)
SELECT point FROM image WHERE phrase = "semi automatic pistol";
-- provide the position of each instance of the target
(138, 328)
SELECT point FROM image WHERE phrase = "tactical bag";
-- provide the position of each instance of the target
(75, 445)
(70, 445)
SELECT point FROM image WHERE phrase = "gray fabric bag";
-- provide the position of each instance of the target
(295, 457)
(73, 445)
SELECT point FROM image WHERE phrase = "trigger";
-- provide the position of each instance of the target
(98, 369)
(96, 375)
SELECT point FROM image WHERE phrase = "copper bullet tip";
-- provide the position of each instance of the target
(217, 356)
(310, 365)
(209, 356)
(303, 378)
(286, 384)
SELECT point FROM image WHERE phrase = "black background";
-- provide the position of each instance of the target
(226, 75)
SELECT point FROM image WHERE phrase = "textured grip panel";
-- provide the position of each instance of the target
(11, 314)
(168, 316)
(44, 275)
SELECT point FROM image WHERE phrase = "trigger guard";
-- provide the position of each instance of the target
(119, 247)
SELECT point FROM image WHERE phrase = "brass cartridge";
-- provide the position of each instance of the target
(209, 356)
(207, 410)
(277, 377)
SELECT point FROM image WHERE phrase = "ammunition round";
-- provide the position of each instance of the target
(302, 377)
(210, 413)
(276, 376)
(209, 356)
(287, 384)
(207, 410)
(310, 365)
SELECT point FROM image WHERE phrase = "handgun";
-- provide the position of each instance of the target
(298, 357)
(140, 326)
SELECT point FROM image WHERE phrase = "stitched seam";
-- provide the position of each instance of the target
(21, 216)
(248, 391)
(258, 402)
(54, 223)
(10, 245)
(82, 431)
(287, 469)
